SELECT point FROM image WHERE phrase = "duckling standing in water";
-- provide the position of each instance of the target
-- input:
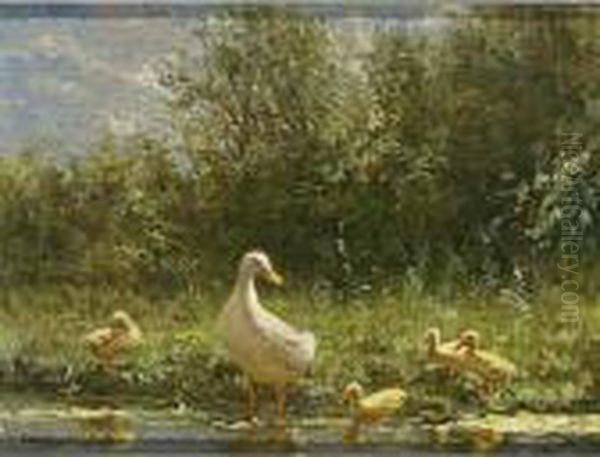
(107, 343)
(493, 369)
(370, 409)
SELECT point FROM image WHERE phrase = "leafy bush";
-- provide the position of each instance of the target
(351, 160)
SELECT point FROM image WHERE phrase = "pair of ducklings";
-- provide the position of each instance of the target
(464, 354)
(108, 343)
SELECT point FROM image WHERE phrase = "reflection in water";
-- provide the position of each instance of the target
(351, 433)
(162, 432)
(104, 424)
(256, 436)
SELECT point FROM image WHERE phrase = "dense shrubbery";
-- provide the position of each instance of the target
(436, 151)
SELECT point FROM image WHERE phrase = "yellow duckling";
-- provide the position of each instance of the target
(108, 342)
(450, 354)
(493, 369)
(370, 409)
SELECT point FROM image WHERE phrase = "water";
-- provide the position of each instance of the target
(48, 429)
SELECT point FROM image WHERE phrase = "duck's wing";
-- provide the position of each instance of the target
(292, 348)
(500, 364)
(98, 337)
(385, 400)
(450, 346)
(490, 364)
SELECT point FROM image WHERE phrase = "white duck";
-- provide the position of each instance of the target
(266, 348)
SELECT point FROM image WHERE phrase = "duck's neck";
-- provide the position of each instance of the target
(246, 290)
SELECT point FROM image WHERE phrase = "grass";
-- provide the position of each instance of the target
(376, 339)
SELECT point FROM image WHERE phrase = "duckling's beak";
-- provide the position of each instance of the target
(275, 277)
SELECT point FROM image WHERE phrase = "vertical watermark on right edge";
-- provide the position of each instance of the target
(571, 229)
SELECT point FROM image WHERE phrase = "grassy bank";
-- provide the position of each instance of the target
(376, 339)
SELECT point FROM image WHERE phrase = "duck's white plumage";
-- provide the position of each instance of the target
(268, 349)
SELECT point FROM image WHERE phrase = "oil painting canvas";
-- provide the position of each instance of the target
(295, 227)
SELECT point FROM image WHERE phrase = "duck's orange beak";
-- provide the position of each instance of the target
(275, 278)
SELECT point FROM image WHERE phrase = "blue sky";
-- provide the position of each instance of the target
(68, 79)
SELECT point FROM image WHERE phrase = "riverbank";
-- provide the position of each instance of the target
(376, 340)
(146, 432)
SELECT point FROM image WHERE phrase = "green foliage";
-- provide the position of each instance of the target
(261, 117)
(352, 160)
